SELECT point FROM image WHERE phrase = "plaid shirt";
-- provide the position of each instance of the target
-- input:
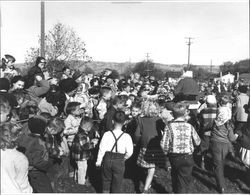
(179, 137)
(81, 147)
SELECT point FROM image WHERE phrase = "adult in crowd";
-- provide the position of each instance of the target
(38, 69)
(50, 102)
(39, 88)
(17, 83)
(187, 88)
(66, 73)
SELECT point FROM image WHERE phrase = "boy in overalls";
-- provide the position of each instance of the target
(115, 147)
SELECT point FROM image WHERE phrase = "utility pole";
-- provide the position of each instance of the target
(42, 30)
(147, 56)
(211, 66)
(189, 43)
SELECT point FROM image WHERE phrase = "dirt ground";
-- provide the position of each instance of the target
(204, 181)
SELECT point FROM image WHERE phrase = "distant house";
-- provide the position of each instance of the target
(228, 78)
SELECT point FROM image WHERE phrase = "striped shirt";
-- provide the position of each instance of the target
(207, 117)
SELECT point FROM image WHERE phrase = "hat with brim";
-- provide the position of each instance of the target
(76, 75)
(10, 58)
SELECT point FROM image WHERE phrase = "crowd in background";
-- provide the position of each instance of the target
(54, 127)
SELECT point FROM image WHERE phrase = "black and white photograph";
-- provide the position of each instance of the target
(126, 96)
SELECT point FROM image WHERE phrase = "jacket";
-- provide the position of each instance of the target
(36, 91)
(35, 150)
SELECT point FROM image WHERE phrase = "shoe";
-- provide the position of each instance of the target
(221, 190)
(71, 174)
(146, 191)
(87, 183)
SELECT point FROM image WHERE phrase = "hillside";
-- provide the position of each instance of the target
(121, 67)
(98, 66)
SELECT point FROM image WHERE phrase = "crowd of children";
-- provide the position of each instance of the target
(57, 127)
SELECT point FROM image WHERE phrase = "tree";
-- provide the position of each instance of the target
(227, 67)
(242, 66)
(61, 44)
(144, 67)
(89, 70)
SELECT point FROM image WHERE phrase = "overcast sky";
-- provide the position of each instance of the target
(119, 32)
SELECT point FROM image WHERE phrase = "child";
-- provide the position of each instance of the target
(82, 95)
(220, 144)
(57, 148)
(103, 104)
(147, 136)
(72, 121)
(35, 150)
(206, 118)
(130, 128)
(82, 145)
(178, 142)
(224, 111)
(115, 147)
(132, 124)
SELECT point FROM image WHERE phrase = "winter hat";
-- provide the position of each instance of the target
(37, 125)
(211, 99)
(4, 84)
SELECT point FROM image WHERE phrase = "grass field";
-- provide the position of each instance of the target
(204, 181)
